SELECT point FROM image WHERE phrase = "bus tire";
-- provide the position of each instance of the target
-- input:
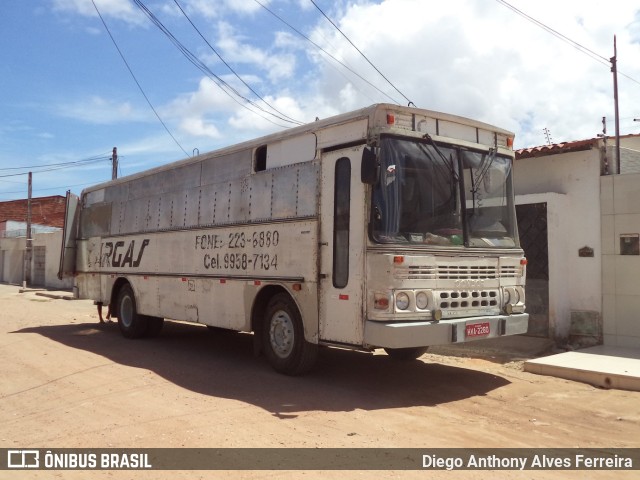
(283, 339)
(406, 354)
(131, 323)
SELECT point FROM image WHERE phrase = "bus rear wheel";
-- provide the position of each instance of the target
(131, 323)
(283, 339)
(406, 354)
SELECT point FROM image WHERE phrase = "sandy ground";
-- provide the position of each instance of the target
(67, 381)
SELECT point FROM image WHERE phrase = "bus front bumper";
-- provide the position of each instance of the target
(459, 330)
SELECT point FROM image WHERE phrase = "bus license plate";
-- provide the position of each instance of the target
(478, 329)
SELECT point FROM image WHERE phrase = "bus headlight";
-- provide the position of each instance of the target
(511, 295)
(513, 299)
(422, 300)
(402, 301)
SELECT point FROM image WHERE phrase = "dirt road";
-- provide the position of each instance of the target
(68, 381)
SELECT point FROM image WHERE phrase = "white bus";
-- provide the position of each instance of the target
(389, 227)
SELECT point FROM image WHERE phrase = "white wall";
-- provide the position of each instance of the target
(620, 195)
(13, 267)
(52, 242)
(574, 222)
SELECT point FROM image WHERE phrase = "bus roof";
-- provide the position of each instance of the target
(377, 114)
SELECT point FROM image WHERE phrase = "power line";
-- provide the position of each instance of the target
(230, 68)
(564, 38)
(324, 51)
(224, 86)
(590, 53)
(362, 54)
(53, 167)
(51, 188)
(136, 80)
(73, 162)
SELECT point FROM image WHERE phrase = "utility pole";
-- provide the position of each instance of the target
(614, 70)
(603, 135)
(114, 164)
(29, 241)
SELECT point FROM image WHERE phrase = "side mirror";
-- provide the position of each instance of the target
(369, 168)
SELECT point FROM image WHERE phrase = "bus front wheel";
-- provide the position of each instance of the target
(283, 337)
(131, 323)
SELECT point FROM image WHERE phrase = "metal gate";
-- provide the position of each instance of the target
(39, 258)
(532, 226)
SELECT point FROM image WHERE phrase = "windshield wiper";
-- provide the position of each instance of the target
(483, 169)
(448, 162)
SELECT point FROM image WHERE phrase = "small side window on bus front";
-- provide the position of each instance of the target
(341, 217)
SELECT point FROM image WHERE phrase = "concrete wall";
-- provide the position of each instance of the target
(19, 229)
(620, 197)
(12, 255)
(571, 182)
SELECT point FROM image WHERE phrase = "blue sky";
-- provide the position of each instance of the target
(67, 96)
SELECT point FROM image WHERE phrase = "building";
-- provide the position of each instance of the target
(47, 220)
(579, 225)
(45, 211)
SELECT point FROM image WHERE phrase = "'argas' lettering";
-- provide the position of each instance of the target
(111, 254)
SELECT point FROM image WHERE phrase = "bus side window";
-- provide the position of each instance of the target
(341, 217)
(260, 159)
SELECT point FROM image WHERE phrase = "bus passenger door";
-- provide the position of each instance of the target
(68, 248)
(341, 247)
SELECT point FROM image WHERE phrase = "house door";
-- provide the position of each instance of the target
(39, 258)
(532, 227)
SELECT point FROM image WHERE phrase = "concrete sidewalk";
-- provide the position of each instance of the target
(44, 292)
(601, 366)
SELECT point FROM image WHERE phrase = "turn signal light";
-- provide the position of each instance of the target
(381, 302)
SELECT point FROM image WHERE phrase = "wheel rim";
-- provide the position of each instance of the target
(281, 334)
(126, 311)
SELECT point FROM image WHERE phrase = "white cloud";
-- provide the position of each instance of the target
(98, 110)
(210, 112)
(480, 59)
(470, 57)
(196, 126)
(120, 9)
(277, 66)
(218, 8)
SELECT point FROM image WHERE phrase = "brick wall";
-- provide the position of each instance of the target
(44, 211)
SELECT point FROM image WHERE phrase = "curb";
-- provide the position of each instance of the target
(55, 296)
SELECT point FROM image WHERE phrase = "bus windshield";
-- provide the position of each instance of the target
(423, 187)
